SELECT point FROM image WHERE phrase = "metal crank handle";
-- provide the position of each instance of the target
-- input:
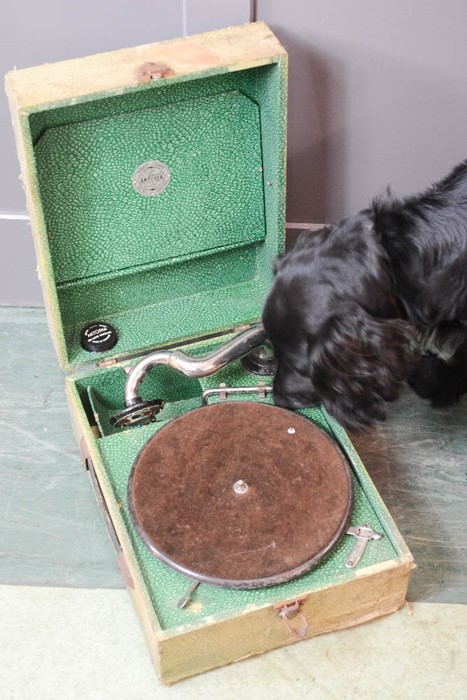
(139, 412)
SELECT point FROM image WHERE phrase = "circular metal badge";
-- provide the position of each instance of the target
(151, 178)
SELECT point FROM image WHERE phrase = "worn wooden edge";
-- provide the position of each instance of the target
(233, 48)
(26, 159)
(254, 632)
(136, 587)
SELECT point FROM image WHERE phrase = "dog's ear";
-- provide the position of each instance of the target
(305, 240)
(359, 365)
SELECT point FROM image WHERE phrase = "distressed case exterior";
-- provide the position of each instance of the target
(201, 267)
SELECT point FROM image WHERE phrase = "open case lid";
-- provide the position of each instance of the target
(155, 184)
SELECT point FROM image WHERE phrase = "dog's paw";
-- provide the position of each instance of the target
(437, 381)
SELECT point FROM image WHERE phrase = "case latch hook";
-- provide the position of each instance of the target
(288, 611)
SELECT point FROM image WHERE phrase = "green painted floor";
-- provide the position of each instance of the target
(50, 529)
(51, 535)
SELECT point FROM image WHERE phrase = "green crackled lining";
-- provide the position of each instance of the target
(195, 259)
(100, 225)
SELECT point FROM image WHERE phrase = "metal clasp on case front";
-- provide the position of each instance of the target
(288, 611)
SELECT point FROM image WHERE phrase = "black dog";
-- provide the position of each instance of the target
(381, 298)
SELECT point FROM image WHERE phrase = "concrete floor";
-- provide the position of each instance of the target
(78, 644)
(65, 633)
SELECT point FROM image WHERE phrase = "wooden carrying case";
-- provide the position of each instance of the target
(193, 262)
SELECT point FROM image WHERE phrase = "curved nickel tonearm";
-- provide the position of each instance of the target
(139, 412)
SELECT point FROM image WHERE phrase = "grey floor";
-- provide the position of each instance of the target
(51, 535)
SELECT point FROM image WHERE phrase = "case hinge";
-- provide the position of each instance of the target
(242, 327)
(288, 611)
(108, 362)
(121, 562)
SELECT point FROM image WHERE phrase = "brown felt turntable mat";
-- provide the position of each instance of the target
(240, 494)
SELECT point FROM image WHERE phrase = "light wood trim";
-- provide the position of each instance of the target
(254, 632)
(233, 48)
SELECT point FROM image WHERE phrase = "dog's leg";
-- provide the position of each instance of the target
(441, 378)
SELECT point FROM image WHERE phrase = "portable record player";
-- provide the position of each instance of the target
(155, 185)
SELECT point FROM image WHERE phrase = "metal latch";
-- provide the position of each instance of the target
(363, 533)
(224, 391)
(121, 562)
(288, 611)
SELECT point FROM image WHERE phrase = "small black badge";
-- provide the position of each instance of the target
(98, 337)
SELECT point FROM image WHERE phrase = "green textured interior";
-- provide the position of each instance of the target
(119, 449)
(193, 260)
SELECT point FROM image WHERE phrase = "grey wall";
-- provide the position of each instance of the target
(378, 94)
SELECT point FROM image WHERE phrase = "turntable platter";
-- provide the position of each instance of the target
(240, 494)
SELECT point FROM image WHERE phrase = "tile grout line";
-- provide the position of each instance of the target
(13, 217)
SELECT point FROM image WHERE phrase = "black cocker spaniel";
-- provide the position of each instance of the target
(359, 308)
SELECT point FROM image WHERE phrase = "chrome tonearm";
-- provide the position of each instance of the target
(139, 412)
